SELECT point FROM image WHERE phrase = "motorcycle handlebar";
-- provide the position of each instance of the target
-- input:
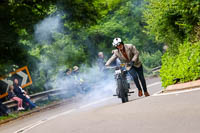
(121, 65)
(126, 65)
(110, 67)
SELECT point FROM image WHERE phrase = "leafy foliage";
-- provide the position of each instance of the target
(151, 60)
(126, 22)
(172, 21)
(176, 23)
(87, 27)
(184, 66)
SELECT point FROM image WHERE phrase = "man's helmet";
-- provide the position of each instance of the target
(116, 42)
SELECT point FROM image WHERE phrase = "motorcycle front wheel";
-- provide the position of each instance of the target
(122, 93)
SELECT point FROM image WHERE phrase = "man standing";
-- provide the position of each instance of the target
(101, 61)
(127, 53)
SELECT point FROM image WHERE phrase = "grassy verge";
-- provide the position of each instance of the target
(40, 104)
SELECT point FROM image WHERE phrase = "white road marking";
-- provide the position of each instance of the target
(22, 130)
(156, 83)
(61, 114)
(177, 92)
(27, 128)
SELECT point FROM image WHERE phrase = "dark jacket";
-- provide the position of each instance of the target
(11, 94)
(18, 92)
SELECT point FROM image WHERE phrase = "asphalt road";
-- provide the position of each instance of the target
(175, 112)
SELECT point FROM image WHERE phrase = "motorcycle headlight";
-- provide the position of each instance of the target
(117, 71)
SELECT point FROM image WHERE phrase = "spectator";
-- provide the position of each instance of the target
(77, 80)
(19, 93)
(11, 95)
(75, 70)
(101, 61)
(68, 72)
(24, 93)
(76, 75)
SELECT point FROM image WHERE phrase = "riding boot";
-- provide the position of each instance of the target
(140, 93)
(146, 94)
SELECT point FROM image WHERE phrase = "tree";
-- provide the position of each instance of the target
(172, 21)
(176, 23)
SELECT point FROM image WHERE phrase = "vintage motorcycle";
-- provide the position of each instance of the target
(123, 86)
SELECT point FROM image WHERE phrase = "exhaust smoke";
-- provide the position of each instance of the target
(88, 86)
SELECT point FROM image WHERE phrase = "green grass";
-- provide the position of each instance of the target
(13, 115)
(40, 103)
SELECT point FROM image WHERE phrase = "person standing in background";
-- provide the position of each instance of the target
(101, 61)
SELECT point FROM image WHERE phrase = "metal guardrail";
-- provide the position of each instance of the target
(45, 94)
(156, 69)
(11, 104)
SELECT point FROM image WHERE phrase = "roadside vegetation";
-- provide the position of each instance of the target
(47, 103)
(176, 23)
(50, 36)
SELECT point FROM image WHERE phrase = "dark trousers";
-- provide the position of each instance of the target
(138, 72)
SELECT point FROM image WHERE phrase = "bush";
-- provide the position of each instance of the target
(151, 60)
(184, 66)
(172, 21)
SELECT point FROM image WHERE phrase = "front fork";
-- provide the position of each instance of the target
(124, 85)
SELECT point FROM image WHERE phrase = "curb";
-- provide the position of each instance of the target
(183, 86)
(53, 105)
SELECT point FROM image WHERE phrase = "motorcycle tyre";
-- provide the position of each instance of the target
(122, 93)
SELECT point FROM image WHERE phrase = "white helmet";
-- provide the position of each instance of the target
(116, 42)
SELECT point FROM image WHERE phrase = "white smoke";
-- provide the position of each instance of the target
(95, 85)
(43, 34)
(45, 28)
(91, 83)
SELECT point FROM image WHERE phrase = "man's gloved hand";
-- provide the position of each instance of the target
(131, 63)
